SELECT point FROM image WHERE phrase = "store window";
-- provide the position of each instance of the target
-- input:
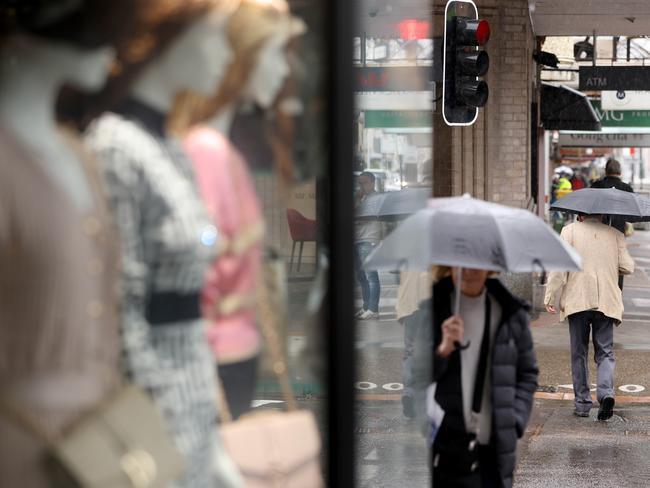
(170, 231)
(393, 63)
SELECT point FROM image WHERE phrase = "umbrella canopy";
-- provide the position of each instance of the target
(605, 201)
(393, 205)
(470, 233)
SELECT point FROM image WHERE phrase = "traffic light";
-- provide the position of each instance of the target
(463, 63)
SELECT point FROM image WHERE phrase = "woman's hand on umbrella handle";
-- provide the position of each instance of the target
(550, 308)
(453, 331)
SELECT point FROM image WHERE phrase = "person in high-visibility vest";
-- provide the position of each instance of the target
(563, 187)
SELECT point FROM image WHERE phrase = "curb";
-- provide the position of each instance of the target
(540, 395)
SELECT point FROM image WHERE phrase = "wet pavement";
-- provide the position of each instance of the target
(560, 450)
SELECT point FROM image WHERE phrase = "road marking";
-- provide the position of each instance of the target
(570, 387)
(631, 388)
(261, 403)
(373, 456)
(368, 385)
(641, 302)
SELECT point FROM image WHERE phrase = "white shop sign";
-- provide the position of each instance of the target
(625, 100)
(600, 139)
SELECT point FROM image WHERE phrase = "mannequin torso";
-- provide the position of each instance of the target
(59, 333)
(167, 243)
(31, 73)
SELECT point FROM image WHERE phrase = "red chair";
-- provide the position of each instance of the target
(302, 230)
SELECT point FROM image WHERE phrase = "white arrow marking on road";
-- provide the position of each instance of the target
(373, 456)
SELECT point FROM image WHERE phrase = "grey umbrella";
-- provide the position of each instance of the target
(471, 233)
(467, 233)
(605, 201)
(393, 205)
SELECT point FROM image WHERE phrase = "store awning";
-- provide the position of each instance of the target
(566, 109)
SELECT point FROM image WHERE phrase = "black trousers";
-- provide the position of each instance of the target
(487, 477)
(238, 381)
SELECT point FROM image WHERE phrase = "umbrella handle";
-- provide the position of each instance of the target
(460, 277)
(542, 279)
(457, 344)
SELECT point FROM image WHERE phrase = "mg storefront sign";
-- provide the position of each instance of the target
(603, 139)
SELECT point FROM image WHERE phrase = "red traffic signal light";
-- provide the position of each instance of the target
(464, 62)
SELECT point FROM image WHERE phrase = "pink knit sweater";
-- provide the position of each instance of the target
(229, 294)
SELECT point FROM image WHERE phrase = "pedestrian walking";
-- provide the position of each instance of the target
(368, 234)
(486, 375)
(414, 287)
(592, 301)
(612, 179)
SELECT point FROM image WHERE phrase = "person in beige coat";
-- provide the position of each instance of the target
(592, 299)
(414, 288)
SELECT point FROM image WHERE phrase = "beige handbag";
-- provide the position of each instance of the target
(123, 444)
(274, 449)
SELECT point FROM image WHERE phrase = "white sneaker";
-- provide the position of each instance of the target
(359, 313)
(369, 315)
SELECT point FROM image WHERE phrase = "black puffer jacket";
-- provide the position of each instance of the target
(514, 369)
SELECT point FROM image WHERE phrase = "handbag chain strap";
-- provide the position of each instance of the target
(268, 321)
(268, 326)
(18, 415)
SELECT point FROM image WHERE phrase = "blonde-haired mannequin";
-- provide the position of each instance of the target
(258, 33)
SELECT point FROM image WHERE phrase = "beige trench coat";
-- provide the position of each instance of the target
(604, 256)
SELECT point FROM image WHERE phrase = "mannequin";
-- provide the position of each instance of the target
(167, 240)
(27, 102)
(59, 333)
(258, 33)
(263, 85)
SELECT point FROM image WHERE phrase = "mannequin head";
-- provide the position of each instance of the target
(83, 68)
(269, 73)
(190, 63)
(163, 33)
(258, 32)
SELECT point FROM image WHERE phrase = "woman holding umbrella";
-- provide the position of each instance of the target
(484, 367)
(486, 375)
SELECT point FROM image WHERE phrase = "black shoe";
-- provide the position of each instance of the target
(408, 408)
(606, 409)
(580, 413)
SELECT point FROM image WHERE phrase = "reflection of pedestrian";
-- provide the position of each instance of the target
(367, 236)
(612, 179)
(591, 299)
(485, 389)
(414, 287)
